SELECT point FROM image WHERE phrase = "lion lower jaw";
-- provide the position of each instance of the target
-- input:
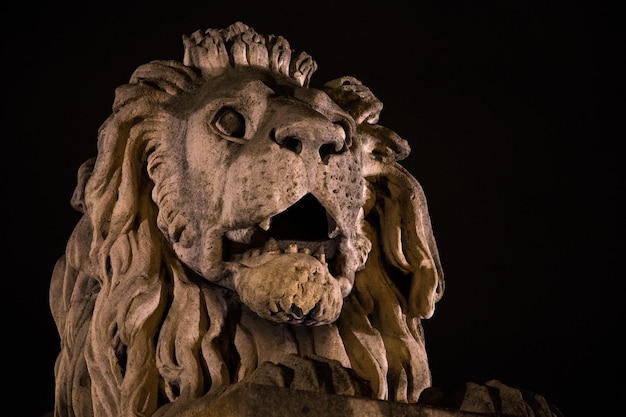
(293, 288)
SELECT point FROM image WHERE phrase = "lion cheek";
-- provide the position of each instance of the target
(290, 288)
(261, 182)
(200, 252)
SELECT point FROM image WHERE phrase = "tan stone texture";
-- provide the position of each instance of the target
(239, 227)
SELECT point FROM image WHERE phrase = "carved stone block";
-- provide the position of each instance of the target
(241, 226)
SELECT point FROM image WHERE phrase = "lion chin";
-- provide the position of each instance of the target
(288, 287)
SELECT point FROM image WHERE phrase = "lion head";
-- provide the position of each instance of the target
(236, 217)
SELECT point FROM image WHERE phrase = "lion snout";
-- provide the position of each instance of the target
(309, 133)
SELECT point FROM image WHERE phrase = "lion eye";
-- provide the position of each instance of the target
(230, 122)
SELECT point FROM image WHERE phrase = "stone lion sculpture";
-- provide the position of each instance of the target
(239, 225)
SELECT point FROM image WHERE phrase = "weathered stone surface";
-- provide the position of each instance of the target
(492, 398)
(239, 225)
(251, 400)
(248, 245)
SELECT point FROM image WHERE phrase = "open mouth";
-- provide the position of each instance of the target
(305, 227)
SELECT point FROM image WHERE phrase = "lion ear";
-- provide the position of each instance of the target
(359, 101)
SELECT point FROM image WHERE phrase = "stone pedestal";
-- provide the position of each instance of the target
(251, 400)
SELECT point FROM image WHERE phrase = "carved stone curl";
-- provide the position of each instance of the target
(239, 225)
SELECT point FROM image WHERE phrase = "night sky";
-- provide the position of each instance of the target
(507, 107)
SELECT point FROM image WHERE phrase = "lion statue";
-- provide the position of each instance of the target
(239, 225)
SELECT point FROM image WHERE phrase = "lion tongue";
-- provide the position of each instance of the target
(257, 260)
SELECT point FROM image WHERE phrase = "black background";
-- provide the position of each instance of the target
(506, 105)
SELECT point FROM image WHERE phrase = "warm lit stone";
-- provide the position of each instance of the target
(243, 231)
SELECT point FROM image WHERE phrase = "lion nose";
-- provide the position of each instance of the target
(320, 136)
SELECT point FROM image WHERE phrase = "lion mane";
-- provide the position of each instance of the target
(152, 316)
